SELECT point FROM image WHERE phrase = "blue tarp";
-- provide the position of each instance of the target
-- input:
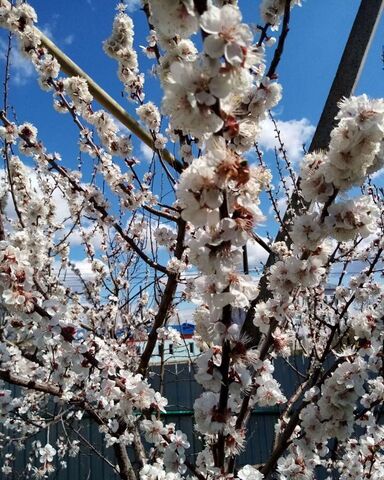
(184, 328)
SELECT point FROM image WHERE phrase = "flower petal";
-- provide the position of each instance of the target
(211, 20)
(214, 46)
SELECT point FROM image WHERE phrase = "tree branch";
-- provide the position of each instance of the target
(125, 465)
(166, 301)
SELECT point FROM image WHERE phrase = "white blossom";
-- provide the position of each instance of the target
(226, 35)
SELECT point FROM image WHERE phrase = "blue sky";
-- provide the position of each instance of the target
(318, 34)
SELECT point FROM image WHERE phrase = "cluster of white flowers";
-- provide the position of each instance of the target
(24, 263)
(358, 135)
(174, 455)
(120, 47)
(351, 218)
(77, 90)
(355, 150)
(201, 91)
(189, 98)
(21, 19)
(156, 471)
(82, 346)
(182, 51)
(330, 413)
(363, 458)
(47, 453)
(332, 416)
(176, 266)
(355, 147)
(330, 410)
(287, 275)
(154, 430)
(249, 473)
(172, 443)
(219, 196)
(16, 279)
(165, 236)
(294, 466)
(268, 390)
(170, 334)
(150, 115)
(307, 231)
(174, 18)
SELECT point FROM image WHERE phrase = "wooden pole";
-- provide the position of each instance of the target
(69, 67)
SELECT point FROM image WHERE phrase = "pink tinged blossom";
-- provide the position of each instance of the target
(264, 97)
(153, 430)
(176, 266)
(9, 133)
(315, 183)
(307, 231)
(179, 440)
(269, 394)
(347, 219)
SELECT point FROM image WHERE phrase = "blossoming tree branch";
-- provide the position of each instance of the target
(178, 233)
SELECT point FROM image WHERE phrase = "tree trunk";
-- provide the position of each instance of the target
(126, 470)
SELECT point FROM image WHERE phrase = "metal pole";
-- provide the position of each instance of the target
(350, 67)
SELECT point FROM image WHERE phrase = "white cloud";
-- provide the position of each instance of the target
(21, 68)
(294, 134)
(146, 152)
(282, 201)
(62, 211)
(122, 128)
(256, 254)
(91, 4)
(69, 39)
(184, 314)
(71, 279)
(378, 175)
(132, 5)
(47, 29)
(96, 238)
(85, 268)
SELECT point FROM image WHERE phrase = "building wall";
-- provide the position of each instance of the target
(181, 389)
